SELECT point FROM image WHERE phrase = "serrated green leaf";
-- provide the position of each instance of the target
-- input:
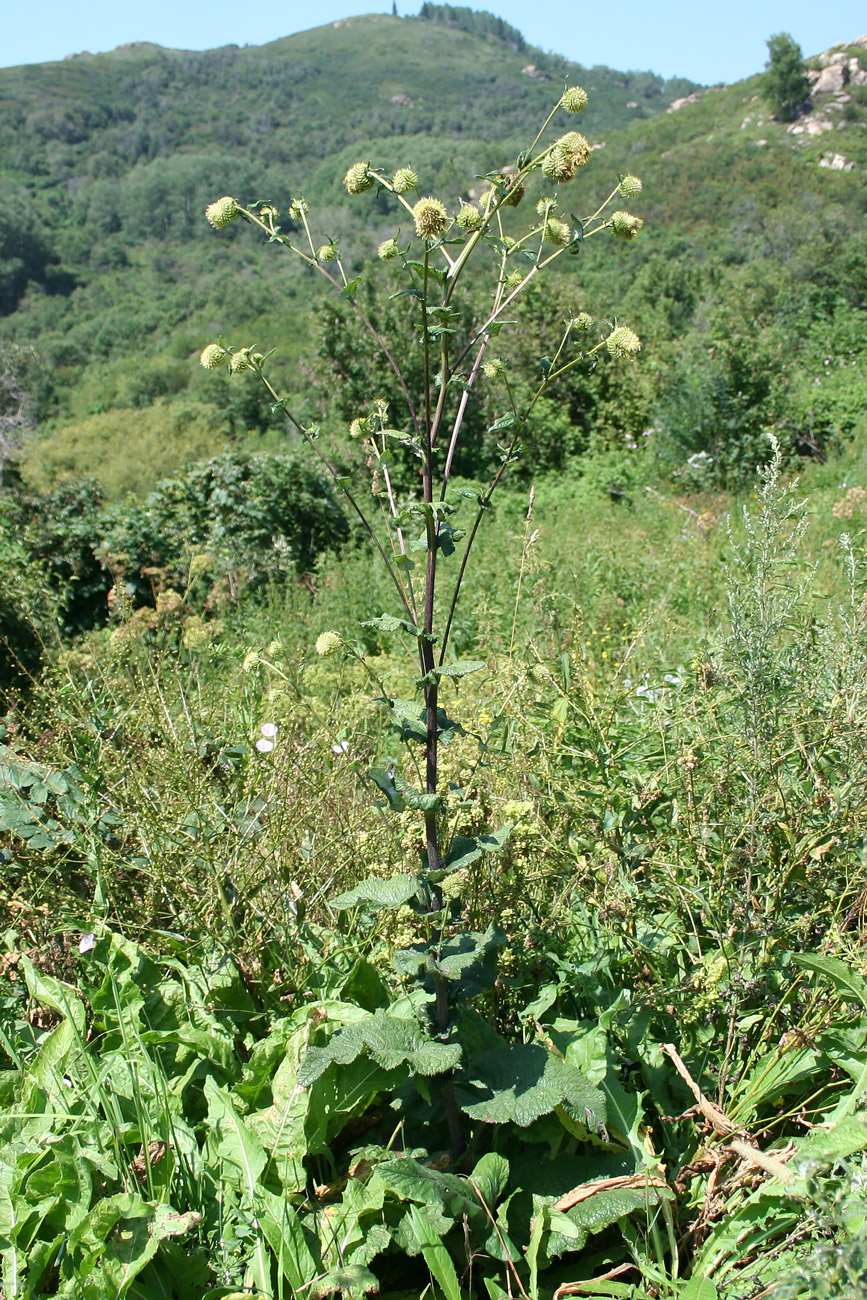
(466, 960)
(521, 1082)
(462, 668)
(352, 1280)
(389, 1041)
(378, 893)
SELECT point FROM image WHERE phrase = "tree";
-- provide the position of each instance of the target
(784, 84)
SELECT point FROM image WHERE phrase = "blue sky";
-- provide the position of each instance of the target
(709, 42)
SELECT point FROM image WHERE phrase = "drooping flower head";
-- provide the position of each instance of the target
(328, 643)
(430, 218)
(214, 356)
(624, 225)
(558, 232)
(630, 186)
(356, 179)
(222, 212)
(404, 179)
(495, 368)
(575, 99)
(623, 342)
(469, 217)
(387, 250)
(566, 155)
(241, 360)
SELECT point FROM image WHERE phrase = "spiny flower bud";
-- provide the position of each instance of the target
(583, 321)
(358, 428)
(577, 146)
(546, 206)
(214, 356)
(222, 212)
(630, 186)
(512, 280)
(430, 218)
(558, 232)
(356, 179)
(326, 253)
(566, 155)
(387, 250)
(328, 643)
(623, 342)
(624, 225)
(574, 99)
(509, 243)
(495, 368)
(558, 165)
(241, 360)
(298, 208)
(404, 179)
(469, 217)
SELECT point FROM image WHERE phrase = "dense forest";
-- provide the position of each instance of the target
(433, 491)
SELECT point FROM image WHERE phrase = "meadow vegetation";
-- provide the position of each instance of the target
(431, 821)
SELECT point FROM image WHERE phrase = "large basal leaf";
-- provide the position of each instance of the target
(377, 893)
(520, 1083)
(389, 1041)
(448, 1193)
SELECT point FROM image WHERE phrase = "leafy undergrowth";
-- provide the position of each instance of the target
(221, 1072)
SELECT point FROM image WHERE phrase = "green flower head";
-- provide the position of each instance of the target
(328, 643)
(357, 180)
(630, 186)
(469, 217)
(558, 232)
(326, 253)
(623, 342)
(222, 212)
(403, 180)
(387, 250)
(583, 321)
(575, 99)
(624, 225)
(546, 206)
(214, 356)
(358, 428)
(565, 156)
(241, 360)
(495, 368)
(513, 280)
(430, 218)
(298, 208)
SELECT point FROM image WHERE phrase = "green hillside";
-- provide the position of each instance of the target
(109, 271)
(433, 685)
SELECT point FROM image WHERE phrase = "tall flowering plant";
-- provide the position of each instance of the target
(423, 551)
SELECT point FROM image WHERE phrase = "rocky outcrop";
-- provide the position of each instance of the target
(836, 162)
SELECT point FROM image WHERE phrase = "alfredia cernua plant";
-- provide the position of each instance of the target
(419, 541)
